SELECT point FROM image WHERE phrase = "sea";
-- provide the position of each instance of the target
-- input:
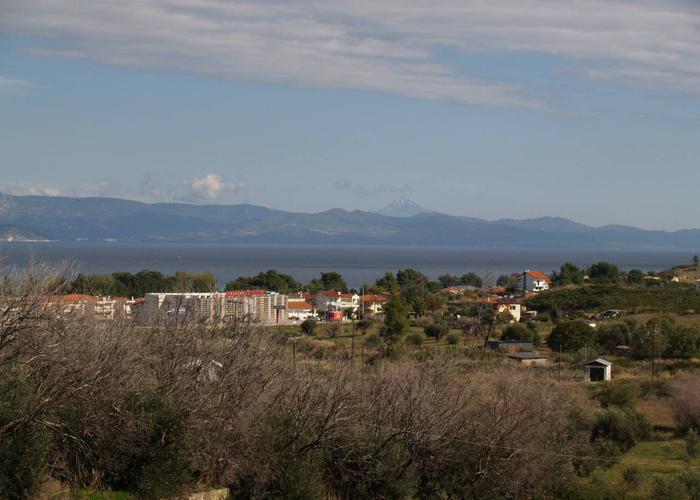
(359, 265)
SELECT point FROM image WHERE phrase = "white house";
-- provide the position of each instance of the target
(299, 311)
(331, 300)
(532, 281)
(372, 304)
(515, 309)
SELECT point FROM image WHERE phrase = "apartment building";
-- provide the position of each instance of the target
(257, 305)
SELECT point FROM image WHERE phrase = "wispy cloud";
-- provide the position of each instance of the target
(367, 190)
(13, 85)
(383, 46)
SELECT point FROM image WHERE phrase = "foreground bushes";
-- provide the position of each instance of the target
(163, 408)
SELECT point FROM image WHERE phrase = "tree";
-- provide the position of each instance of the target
(571, 336)
(271, 280)
(308, 326)
(569, 274)
(388, 282)
(396, 322)
(447, 280)
(327, 281)
(604, 272)
(471, 279)
(436, 330)
(507, 281)
(635, 276)
(696, 260)
(612, 335)
(410, 278)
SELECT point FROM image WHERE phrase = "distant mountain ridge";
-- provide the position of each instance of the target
(70, 219)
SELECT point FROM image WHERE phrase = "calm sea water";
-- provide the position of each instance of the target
(357, 264)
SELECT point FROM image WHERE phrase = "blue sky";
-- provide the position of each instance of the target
(588, 110)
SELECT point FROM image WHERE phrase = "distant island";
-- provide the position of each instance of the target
(44, 218)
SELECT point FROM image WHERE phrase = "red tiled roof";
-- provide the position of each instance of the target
(373, 298)
(538, 275)
(299, 306)
(75, 298)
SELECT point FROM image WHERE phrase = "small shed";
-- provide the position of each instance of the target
(598, 370)
(528, 358)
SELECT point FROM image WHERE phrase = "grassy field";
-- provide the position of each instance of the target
(652, 459)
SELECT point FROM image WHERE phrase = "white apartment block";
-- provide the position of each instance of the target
(257, 305)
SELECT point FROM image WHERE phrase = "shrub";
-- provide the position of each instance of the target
(414, 339)
(620, 393)
(364, 324)
(436, 330)
(681, 485)
(373, 341)
(23, 450)
(692, 442)
(624, 427)
(685, 402)
(452, 339)
(518, 331)
(308, 326)
(143, 447)
(632, 476)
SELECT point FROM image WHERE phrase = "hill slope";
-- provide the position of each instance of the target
(59, 218)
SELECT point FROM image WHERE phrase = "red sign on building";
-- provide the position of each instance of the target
(245, 293)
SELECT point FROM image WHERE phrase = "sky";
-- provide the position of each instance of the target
(586, 109)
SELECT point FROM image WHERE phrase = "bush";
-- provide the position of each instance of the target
(452, 339)
(632, 476)
(23, 450)
(685, 402)
(143, 447)
(620, 393)
(373, 341)
(692, 442)
(364, 324)
(414, 339)
(518, 331)
(436, 330)
(624, 427)
(679, 486)
(308, 326)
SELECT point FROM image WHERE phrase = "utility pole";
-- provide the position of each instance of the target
(652, 339)
(559, 364)
(352, 343)
(293, 340)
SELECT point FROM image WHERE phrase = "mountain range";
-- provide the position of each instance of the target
(38, 218)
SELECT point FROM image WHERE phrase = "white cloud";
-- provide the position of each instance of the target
(13, 85)
(210, 188)
(29, 189)
(382, 46)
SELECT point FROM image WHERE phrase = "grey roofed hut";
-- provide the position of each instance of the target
(598, 370)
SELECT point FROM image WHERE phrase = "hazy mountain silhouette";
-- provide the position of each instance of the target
(61, 218)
